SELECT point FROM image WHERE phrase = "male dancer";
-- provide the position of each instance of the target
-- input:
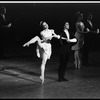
(4, 24)
(64, 51)
(89, 38)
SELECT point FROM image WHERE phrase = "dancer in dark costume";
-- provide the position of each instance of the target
(4, 24)
(65, 51)
(92, 35)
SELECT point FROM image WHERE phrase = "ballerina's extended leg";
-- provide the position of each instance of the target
(33, 40)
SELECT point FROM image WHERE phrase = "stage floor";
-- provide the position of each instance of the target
(20, 79)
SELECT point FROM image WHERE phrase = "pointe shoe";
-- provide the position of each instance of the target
(24, 45)
(79, 65)
(42, 79)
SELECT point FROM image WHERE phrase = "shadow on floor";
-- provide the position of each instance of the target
(17, 72)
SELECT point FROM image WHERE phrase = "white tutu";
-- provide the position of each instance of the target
(46, 48)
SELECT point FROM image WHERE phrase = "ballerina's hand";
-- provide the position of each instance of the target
(58, 36)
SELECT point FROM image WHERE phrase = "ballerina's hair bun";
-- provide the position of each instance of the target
(41, 22)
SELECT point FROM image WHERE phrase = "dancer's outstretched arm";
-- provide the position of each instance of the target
(49, 38)
(55, 35)
(69, 40)
(72, 40)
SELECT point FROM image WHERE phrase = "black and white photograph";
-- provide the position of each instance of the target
(49, 50)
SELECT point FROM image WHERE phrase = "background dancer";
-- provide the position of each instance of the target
(79, 34)
(4, 24)
(89, 39)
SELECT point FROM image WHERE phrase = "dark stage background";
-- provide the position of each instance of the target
(25, 18)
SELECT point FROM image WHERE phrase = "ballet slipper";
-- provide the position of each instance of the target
(24, 45)
(42, 79)
(79, 65)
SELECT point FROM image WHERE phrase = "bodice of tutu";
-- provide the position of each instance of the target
(46, 45)
(47, 34)
(78, 34)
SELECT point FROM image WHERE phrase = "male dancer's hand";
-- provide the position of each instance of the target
(68, 40)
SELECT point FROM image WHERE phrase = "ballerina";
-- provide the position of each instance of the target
(44, 47)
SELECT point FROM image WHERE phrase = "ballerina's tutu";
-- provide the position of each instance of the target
(46, 48)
